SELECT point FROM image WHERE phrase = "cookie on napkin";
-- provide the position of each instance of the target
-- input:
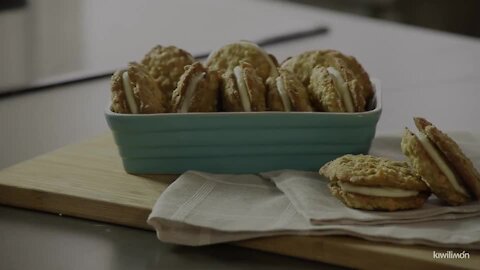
(441, 163)
(375, 183)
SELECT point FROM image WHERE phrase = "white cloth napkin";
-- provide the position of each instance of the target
(201, 208)
(310, 195)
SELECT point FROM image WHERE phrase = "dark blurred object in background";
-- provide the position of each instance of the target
(453, 16)
(46, 42)
(460, 17)
(12, 4)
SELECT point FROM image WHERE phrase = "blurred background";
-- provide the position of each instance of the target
(445, 15)
(45, 41)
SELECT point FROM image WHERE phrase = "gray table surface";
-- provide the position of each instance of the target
(33, 240)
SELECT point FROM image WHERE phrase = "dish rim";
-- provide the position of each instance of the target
(377, 97)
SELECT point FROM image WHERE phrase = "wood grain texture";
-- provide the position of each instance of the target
(87, 180)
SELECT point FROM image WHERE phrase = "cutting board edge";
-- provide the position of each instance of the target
(74, 206)
(332, 247)
(358, 257)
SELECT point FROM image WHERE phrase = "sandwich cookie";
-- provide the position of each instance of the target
(243, 90)
(229, 56)
(329, 91)
(287, 93)
(196, 91)
(374, 183)
(166, 65)
(358, 72)
(441, 164)
(339, 73)
(303, 64)
(134, 91)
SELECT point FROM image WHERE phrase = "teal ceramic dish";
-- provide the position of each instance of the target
(253, 142)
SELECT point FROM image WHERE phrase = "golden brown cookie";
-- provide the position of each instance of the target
(358, 72)
(365, 202)
(287, 93)
(329, 92)
(454, 155)
(243, 90)
(441, 163)
(166, 65)
(134, 91)
(229, 56)
(342, 71)
(374, 183)
(303, 64)
(197, 90)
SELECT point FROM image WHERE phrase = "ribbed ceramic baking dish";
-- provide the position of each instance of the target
(252, 142)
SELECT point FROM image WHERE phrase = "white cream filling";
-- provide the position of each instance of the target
(187, 100)
(242, 89)
(441, 163)
(283, 94)
(377, 192)
(342, 89)
(129, 93)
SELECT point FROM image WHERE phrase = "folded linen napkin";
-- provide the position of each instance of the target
(201, 208)
(310, 195)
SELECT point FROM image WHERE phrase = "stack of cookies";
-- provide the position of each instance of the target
(241, 77)
(436, 165)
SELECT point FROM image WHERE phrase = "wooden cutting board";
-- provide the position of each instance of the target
(87, 180)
